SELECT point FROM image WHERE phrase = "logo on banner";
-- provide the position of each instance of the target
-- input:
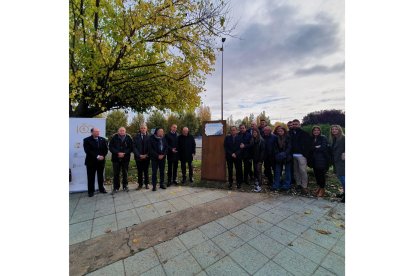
(84, 128)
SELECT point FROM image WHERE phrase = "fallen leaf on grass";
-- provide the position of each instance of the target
(323, 232)
(108, 231)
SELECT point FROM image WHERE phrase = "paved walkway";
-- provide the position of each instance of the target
(280, 235)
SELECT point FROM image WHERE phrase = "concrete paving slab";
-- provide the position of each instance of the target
(280, 235)
(295, 263)
(334, 263)
(339, 248)
(292, 226)
(207, 253)
(269, 247)
(309, 250)
(228, 222)
(114, 269)
(259, 224)
(141, 262)
(320, 239)
(225, 267)
(242, 215)
(212, 229)
(272, 269)
(192, 238)
(156, 271)
(228, 241)
(254, 210)
(323, 272)
(182, 265)
(245, 232)
(249, 258)
(169, 249)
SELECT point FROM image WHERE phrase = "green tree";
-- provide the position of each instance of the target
(141, 54)
(332, 117)
(114, 120)
(189, 119)
(157, 120)
(261, 116)
(173, 119)
(135, 124)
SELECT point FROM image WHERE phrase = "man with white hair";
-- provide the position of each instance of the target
(96, 149)
(121, 147)
(186, 151)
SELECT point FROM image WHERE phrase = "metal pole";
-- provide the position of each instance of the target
(222, 68)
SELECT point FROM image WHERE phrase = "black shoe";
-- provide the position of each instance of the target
(162, 186)
(90, 195)
(103, 192)
(168, 184)
(238, 186)
(191, 180)
(125, 189)
(343, 198)
(139, 187)
(154, 188)
(183, 181)
(230, 186)
(175, 182)
(114, 191)
(146, 186)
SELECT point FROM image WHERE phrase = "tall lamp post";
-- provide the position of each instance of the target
(222, 67)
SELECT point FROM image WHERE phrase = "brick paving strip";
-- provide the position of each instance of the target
(90, 255)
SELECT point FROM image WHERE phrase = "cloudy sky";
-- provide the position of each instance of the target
(288, 60)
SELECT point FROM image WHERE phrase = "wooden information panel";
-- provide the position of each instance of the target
(213, 159)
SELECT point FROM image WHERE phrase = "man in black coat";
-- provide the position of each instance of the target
(301, 148)
(270, 152)
(141, 154)
(245, 153)
(172, 156)
(262, 126)
(158, 152)
(121, 147)
(232, 148)
(186, 152)
(96, 149)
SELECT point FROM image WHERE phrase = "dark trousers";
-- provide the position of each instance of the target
(267, 164)
(257, 172)
(320, 175)
(247, 170)
(91, 170)
(155, 165)
(142, 168)
(190, 168)
(237, 163)
(172, 170)
(119, 166)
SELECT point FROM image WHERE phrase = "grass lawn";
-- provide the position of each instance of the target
(333, 186)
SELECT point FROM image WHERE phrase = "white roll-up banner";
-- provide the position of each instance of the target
(80, 128)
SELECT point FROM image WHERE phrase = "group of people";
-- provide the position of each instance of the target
(154, 149)
(289, 150)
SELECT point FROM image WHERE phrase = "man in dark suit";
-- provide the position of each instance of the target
(172, 156)
(232, 148)
(141, 154)
(186, 152)
(158, 152)
(96, 149)
(121, 147)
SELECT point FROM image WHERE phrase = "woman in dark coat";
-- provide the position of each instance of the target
(283, 160)
(338, 155)
(319, 159)
(258, 151)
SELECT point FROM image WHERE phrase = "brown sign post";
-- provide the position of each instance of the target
(213, 159)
